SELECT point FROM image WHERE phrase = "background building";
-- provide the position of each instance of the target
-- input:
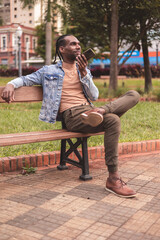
(12, 11)
(13, 15)
(9, 44)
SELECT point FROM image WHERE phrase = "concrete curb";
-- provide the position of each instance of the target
(44, 159)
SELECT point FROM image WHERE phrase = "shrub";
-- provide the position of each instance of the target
(157, 94)
(140, 91)
(97, 71)
(14, 72)
(155, 71)
(128, 70)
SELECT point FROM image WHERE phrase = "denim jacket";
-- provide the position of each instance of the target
(51, 78)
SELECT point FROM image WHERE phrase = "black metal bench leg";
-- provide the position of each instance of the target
(85, 165)
(62, 165)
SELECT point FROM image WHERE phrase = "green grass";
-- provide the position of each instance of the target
(5, 80)
(140, 123)
(123, 86)
(127, 84)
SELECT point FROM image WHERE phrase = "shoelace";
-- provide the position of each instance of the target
(120, 180)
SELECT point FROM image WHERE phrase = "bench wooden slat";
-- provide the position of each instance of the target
(26, 94)
(11, 135)
(31, 137)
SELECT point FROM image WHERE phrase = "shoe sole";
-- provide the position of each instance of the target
(122, 196)
(93, 119)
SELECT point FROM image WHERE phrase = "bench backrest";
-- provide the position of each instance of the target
(26, 94)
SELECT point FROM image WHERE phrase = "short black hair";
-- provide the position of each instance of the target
(60, 42)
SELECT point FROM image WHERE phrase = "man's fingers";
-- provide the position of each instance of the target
(8, 93)
(12, 97)
(82, 61)
(84, 58)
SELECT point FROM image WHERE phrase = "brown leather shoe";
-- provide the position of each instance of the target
(119, 188)
(92, 117)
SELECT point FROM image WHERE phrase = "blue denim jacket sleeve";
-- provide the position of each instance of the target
(89, 87)
(29, 80)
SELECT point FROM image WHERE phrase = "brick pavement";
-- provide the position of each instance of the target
(56, 205)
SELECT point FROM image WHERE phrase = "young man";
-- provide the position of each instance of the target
(67, 90)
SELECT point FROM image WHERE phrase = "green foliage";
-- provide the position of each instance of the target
(91, 21)
(139, 90)
(88, 22)
(157, 94)
(1, 21)
(28, 170)
(28, 2)
(40, 32)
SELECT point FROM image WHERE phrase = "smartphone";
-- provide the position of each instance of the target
(89, 53)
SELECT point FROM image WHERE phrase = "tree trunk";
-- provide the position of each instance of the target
(113, 46)
(147, 70)
(48, 54)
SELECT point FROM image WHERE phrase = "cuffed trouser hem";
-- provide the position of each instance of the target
(112, 168)
(106, 108)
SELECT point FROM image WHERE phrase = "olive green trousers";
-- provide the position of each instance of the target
(111, 124)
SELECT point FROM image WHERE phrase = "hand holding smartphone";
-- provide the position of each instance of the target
(89, 54)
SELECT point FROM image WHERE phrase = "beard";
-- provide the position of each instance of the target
(72, 57)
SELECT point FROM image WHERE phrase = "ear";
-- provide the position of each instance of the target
(61, 49)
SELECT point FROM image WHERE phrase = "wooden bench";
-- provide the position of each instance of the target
(34, 94)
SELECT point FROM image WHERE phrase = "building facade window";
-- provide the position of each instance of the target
(4, 61)
(27, 42)
(30, 14)
(34, 43)
(3, 43)
(7, 5)
(14, 41)
(15, 16)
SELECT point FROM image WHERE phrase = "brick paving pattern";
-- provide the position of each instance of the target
(56, 205)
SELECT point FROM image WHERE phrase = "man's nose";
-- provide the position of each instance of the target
(78, 46)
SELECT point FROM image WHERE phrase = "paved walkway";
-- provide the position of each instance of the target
(54, 204)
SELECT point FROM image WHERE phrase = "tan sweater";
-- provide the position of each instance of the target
(72, 93)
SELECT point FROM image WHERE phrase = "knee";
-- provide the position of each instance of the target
(135, 96)
(112, 121)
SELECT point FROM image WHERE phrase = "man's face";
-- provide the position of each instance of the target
(72, 48)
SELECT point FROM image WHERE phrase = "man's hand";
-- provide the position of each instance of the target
(82, 64)
(8, 93)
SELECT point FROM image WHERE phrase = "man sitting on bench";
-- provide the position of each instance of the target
(67, 89)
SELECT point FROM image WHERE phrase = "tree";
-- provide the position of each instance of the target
(41, 43)
(114, 46)
(102, 32)
(87, 20)
(63, 10)
(144, 20)
(48, 36)
(137, 22)
(148, 22)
